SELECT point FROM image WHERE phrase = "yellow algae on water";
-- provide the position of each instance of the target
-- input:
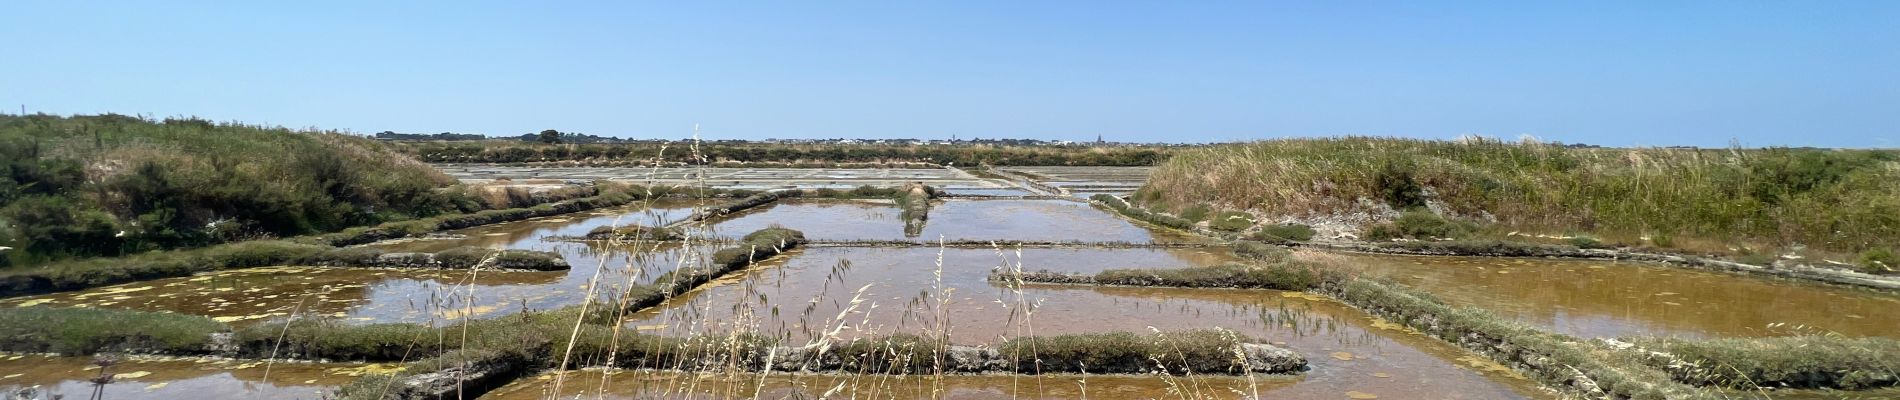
(1342, 356)
(1303, 296)
(131, 375)
(34, 302)
(1486, 365)
(1360, 395)
(156, 386)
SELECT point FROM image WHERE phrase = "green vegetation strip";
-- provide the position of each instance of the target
(82, 274)
(1141, 214)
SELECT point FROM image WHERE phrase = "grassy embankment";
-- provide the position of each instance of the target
(780, 155)
(1748, 204)
(1658, 369)
(114, 185)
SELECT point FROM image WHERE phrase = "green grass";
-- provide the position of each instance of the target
(1834, 200)
(1283, 233)
(85, 331)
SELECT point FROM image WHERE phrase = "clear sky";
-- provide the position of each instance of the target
(1820, 73)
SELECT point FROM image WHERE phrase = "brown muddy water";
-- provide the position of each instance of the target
(1596, 298)
(855, 292)
(956, 219)
(255, 295)
(165, 378)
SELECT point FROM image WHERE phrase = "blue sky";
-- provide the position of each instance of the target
(1615, 73)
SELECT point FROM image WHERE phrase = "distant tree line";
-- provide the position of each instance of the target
(496, 151)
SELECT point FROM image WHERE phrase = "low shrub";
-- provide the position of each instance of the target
(1231, 221)
(530, 260)
(1586, 242)
(462, 257)
(1284, 233)
(1122, 207)
(1879, 261)
(1422, 224)
(1261, 251)
(84, 331)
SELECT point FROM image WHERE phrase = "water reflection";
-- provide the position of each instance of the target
(856, 292)
(1593, 298)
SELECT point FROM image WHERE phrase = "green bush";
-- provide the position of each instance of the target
(84, 331)
(1261, 251)
(1284, 233)
(1879, 260)
(1423, 225)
